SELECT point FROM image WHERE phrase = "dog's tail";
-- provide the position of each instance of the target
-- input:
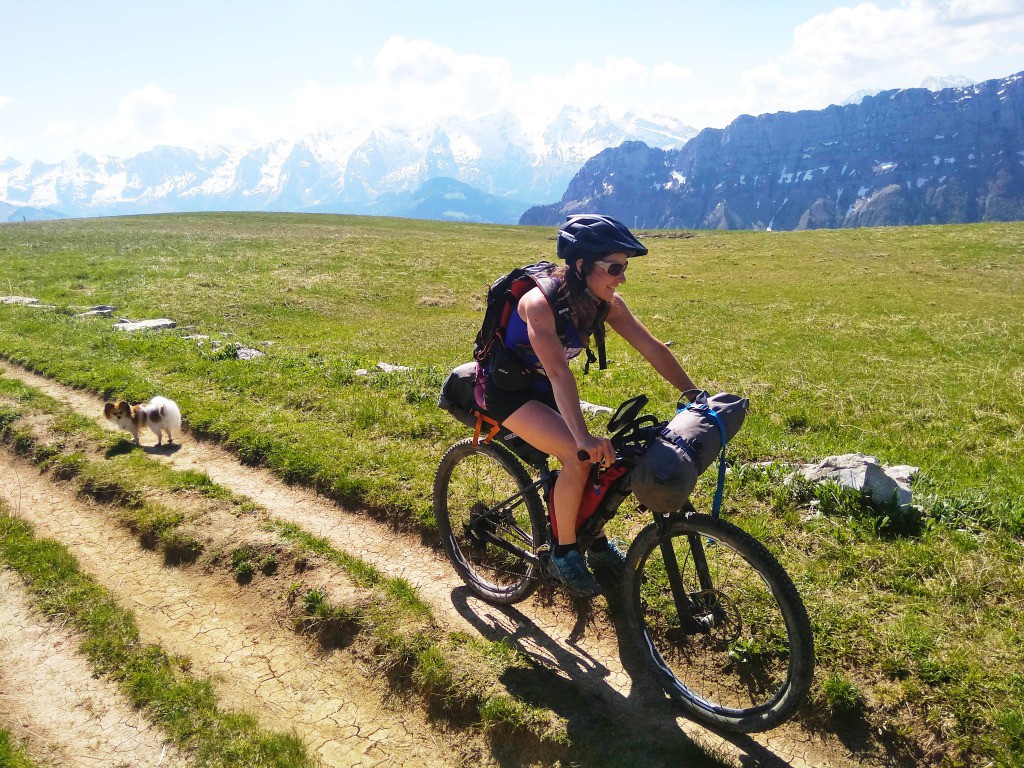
(169, 411)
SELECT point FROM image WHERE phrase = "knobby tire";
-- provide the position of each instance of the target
(470, 481)
(747, 663)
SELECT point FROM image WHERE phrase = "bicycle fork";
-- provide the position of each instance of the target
(693, 619)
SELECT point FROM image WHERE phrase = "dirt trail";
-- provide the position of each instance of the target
(50, 699)
(580, 648)
(231, 634)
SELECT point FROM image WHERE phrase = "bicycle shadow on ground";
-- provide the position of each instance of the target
(569, 681)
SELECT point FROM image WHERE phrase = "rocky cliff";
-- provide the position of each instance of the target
(909, 156)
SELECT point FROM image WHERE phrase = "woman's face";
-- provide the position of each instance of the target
(602, 284)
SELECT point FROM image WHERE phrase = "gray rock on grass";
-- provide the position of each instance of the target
(863, 474)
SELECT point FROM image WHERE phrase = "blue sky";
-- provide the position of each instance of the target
(110, 77)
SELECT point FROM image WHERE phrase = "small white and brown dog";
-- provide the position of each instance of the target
(159, 414)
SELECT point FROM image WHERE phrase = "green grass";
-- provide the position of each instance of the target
(902, 343)
(12, 755)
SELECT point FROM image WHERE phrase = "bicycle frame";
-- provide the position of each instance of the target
(479, 524)
(689, 613)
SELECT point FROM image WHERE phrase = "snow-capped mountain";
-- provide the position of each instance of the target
(343, 173)
(931, 83)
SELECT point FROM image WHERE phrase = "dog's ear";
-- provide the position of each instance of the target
(108, 409)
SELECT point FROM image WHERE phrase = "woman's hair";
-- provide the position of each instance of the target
(588, 312)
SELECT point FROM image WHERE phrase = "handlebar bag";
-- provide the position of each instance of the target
(666, 474)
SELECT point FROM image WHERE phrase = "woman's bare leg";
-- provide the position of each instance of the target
(545, 430)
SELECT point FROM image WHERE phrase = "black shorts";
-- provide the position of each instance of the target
(501, 404)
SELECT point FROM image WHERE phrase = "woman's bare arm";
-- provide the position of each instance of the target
(642, 340)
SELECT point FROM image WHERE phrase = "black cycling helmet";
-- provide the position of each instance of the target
(591, 237)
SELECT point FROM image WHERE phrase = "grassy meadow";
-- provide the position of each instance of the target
(903, 343)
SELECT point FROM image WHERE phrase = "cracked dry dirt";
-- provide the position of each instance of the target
(50, 701)
(265, 667)
(231, 634)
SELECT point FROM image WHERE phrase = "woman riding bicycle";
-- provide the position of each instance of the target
(546, 413)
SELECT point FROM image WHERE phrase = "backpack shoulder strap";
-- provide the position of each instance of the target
(556, 299)
(503, 297)
(602, 356)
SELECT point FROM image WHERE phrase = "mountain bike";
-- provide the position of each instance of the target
(715, 617)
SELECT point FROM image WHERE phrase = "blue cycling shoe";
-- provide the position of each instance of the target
(571, 569)
(610, 558)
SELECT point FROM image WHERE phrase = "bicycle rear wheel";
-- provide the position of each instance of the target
(489, 515)
(743, 658)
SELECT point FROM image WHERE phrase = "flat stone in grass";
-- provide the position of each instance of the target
(246, 353)
(103, 310)
(144, 325)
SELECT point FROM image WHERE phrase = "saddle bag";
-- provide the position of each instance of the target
(458, 394)
(459, 397)
(666, 474)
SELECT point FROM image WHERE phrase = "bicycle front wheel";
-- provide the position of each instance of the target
(489, 516)
(719, 623)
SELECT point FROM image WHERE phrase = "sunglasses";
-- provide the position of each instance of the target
(613, 268)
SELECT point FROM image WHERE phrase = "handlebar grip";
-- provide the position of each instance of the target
(582, 455)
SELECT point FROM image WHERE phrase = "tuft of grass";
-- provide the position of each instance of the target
(199, 482)
(8, 416)
(68, 466)
(107, 484)
(22, 440)
(246, 560)
(12, 754)
(333, 626)
(840, 695)
(180, 548)
(243, 563)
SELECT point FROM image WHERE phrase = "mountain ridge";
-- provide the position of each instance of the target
(903, 156)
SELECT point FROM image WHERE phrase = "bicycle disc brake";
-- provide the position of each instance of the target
(714, 616)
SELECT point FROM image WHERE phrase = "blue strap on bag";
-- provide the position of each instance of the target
(716, 507)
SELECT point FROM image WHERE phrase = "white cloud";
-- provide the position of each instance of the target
(617, 84)
(60, 129)
(413, 82)
(416, 82)
(4, 101)
(143, 119)
(236, 126)
(669, 71)
(965, 10)
(865, 46)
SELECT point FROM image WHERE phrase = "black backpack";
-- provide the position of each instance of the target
(504, 295)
